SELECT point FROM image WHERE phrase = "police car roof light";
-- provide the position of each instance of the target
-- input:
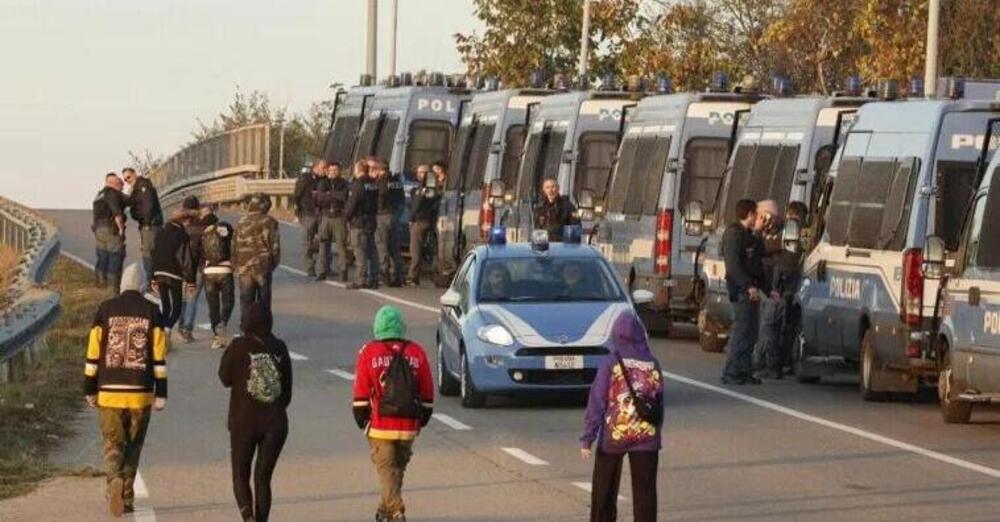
(406, 79)
(916, 87)
(573, 234)
(663, 84)
(540, 239)
(888, 90)
(608, 83)
(956, 88)
(498, 236)
(537, 79)
(437, 79)
(853, 85)
(366, 80)
(720, 82)
(559, 82)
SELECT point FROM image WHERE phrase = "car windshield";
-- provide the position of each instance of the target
(546, 279)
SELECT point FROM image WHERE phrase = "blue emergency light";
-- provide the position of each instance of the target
(497, 236)
(572, 234)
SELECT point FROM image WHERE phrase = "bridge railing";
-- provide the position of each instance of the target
(30, 307)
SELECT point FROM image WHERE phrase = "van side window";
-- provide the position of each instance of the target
(870, 203)
(597, 154)
(768, 175)
(513, 148)
(366, 141)
(429, 141)
(955, 180)
(458, 163)
(704, 165)
(341, 139)
(984, 249)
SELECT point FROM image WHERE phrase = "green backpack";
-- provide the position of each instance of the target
(264, 382)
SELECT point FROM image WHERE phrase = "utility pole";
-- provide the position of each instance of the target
(281, 147)
(931, 60)
(584, 44)
(372, 39)
(392, 37)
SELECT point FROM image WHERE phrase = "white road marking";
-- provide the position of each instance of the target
(341, 373)
(874, 437)
(142, 492)
(525, 457)
(586, 486)
(79, 260)
(139, 487)
(376, 293)
(451, 422)
(297, 356)
(144, 515)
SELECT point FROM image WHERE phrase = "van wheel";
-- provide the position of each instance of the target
(800, 354)
(710, 342)
(869, 369)
(448, 386)
(953, 410)
(471, 397)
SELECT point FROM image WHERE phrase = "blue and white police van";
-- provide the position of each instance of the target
(783, 152)
(674, 150)
(906, 170)
(527, 318)
(349, 110)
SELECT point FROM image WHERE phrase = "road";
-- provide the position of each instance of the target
(781, 451)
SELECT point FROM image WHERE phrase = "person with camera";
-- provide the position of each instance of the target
(425, 203)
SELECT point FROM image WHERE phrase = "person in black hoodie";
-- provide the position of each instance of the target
(145, 208)
(172, 267)
(553, 211)
(217, 272)
(257, 369)
(194, 228)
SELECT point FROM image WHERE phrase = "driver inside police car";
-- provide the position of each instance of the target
(496, 285)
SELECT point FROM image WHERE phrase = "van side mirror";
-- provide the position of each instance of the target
(694, 218)
(791, 236)
(496, 193)
(585, 205)
(642, 296)
(934, 257)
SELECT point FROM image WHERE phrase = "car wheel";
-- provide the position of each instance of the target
(801, 371)
(448, 386)
(953, 410)
(869, 370)
(471, 397)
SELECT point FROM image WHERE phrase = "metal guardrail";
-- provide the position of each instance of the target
(31, 308)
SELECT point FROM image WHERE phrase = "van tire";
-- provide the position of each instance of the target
(711, 342)
(953, 411)
(800, 354)
(868, 370)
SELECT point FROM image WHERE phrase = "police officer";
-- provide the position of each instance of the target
(391, 199)
(359, 212)
(425, 203)
(554, 212)
(741, 252)
(145, 209)
(256, 253)
(109, 232)
(304, 198)
(331, 197)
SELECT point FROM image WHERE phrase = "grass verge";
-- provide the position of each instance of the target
(34, 412)
(8, 262)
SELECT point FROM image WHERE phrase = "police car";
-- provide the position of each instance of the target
(527, 317)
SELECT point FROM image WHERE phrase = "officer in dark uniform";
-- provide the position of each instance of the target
(391, 198)
(425, 203)
(145, 209)
(742, 253)
(331, 197)
(109, 232)
(359, 212)
(554, 212)
(304, 198)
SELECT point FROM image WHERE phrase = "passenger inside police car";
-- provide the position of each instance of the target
(496, 283)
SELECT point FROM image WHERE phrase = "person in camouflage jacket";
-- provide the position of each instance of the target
(256, 253)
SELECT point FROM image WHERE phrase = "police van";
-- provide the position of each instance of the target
(967, 309)
(906, 170)
(783, 153)
(349, 110)
(674, 150)
(573, 138)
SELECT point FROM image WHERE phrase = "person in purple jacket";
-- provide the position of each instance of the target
(613, 421)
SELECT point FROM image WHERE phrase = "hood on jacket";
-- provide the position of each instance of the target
(628, 333)
(257, 320)
(133, 278)
(389, 324)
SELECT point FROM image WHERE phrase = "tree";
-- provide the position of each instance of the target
(970, 42)
(144, 162)
(893, 34)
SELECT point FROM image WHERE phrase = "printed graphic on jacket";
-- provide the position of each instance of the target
(127, 343)
(623, 423)
(264, 382)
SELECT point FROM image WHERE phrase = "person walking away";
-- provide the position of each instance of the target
(425, 204)
(741, 252)
(256, 252)
(217, 273)
(359, 212)
(173, 271)
(109, 233)
(624, 416)
(258, 371)
(331, 198)
(554, 212)
(391, 198)
(125, 374)
(194, 229)
(393, 400)
(145, 209)
(304, 198)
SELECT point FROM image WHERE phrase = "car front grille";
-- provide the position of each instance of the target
(561, 350)
(556, 377)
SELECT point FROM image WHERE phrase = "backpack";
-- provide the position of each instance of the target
(264, 382)
(212, 244)
(649, 409)
(400, 396)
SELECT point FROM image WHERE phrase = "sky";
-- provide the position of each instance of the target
(82, 82)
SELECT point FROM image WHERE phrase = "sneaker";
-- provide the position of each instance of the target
(412, 282)
(218, 343)
(187, 335)
(116, 504)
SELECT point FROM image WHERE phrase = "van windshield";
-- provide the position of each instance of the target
(340, 142)
(984, 244)
(958, 148)
(541, 161)
(870, 203)
(760, 171)
(429, 141)
(635, 188)
(386, 138)
(704, 164)
(512, 153)
(597, 153)
(479, 155)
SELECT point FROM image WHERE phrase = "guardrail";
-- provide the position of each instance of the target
(31, 307)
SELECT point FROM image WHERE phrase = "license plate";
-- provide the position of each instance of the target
(564, 362)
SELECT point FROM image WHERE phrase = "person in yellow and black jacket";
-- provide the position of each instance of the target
(125, 375)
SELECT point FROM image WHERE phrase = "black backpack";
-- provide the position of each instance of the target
(400, 396)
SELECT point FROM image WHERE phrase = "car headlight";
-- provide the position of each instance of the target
(495, 334)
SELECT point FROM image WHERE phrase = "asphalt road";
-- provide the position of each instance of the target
(781, 451)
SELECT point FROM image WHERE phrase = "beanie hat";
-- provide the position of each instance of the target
(389, 323)
(257, 320)
(191, 203)
(133, 278)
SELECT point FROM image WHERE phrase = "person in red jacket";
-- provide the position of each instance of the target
(381, 384)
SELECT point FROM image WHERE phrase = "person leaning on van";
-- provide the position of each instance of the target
(553, 212)
(741, 251)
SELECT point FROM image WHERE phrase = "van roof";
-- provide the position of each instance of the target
(800, 111)
(913, 116)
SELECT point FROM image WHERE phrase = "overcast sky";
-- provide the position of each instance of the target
(84, 81)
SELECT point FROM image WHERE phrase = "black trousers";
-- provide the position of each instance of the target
(607, 478)
(254, 288)
(171, 299)
(267, 446)
(221, 296)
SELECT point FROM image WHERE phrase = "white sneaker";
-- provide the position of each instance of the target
(218, 343)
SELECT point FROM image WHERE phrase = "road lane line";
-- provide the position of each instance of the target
(144, 515)
(586, 486)
(297, 356)
(376, 293)
(79, 260)
(525, 457)
(139, 487)
(874, 437)
(451, 422)
(348, 376)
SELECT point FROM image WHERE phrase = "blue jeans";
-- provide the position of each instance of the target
(742, 338)
(189, 311)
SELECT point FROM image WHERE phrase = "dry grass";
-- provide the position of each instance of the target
(8, 262)
(34, 412)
